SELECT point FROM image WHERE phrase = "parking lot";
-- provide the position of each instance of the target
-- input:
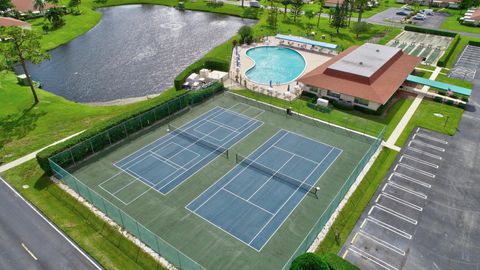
(467, 64)
(384, 237)
(389, 17)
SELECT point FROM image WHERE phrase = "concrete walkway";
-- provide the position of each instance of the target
(390, 143)
(33, 154)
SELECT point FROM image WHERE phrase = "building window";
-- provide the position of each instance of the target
(333, 94)
(361, 101)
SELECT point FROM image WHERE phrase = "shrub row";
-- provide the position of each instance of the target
(210, 63)
(102, 135)
(329, 261)
(319, 108)
(474, 43)
(429, 31)
(442, 62)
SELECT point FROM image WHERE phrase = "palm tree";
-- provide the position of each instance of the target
(39, 5)
(320, 4)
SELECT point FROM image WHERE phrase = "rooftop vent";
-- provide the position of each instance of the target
(377, 50)
(361, 63)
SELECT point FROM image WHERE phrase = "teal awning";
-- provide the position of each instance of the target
(308, 41)
(440, 85)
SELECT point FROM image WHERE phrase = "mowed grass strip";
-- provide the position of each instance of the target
(103, 242)
(351, 212)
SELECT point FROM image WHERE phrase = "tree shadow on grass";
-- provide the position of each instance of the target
(17, 126)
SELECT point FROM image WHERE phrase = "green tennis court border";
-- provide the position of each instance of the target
(164, 224)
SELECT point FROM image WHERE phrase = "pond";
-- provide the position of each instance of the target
(134, 51)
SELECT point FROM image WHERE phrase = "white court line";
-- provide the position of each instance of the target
(166, 160)
(260, 110)
(389, 227)
(394, 213)
(249, 202)
(238, 173)
(304, 195)
(431, 175)
(430, 138)
(425, 153)
(399, 200)
(413, 192)
(110, 178)
(271, 177)
(223, 125)
(411, 179)
(431, 146)
(216, 128)
(372, 258)
(213, 152)
(433, 165)
(382, 243)
(294, 154)
(162, 137)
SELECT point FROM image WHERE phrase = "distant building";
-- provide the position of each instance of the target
(27, 5)
(6, 21)
(333, 3)
(435, 3)
(472, 17)
(365, 76)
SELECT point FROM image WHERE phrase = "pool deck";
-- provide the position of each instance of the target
(313, 59)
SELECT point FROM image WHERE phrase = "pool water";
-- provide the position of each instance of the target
(274, 64)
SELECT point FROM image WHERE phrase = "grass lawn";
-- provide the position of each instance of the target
(369, 124)
(432, 68)
(424, 117)
(454, 81)
(110, 248)
(351, 212)
(24, 129)
(458, 49)
(451, 23)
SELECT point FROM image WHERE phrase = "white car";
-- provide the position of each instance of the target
(419, 16)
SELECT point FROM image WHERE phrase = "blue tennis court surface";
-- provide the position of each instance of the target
(253, 200)
(173, 158)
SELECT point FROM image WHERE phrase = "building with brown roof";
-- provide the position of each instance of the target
(333, 3)
(365, 76)
(27, 5)
(6, 21)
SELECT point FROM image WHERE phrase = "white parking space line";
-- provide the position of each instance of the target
(399, 200)
(431, 175)
(425, 153)
(394, 213)
(389, 227)
(431, 146)
(413, 192)
(433, 165)
(411, 179)
(29, 252)
(425, 136)
(381, 242)
(372, 258)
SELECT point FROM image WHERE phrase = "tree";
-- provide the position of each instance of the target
(246, 34)
(75, 4)
(55, 16)
(360, 4)
(320, 3)
(296, 8)
(309, 14)
(40, 5)
(272, 15)
(469, 3)
(309, 261)
(360, 28)
(285, 4)
(5, 5)
(339, 16)
(21, 45)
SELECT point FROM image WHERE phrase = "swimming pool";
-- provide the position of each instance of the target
(276, 64)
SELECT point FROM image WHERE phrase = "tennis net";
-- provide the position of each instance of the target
(200, 141)
(275, 174)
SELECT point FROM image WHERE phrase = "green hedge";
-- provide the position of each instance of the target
(210, 63)
(429, 31)
(474, 43)
(312, 261)
(442, 62)
(118, 128)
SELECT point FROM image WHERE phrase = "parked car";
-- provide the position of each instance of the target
(403, 12)
(254, 4)
(419, 16)
(427, 12)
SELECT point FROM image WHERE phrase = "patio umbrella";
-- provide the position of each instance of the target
(288, 88)
(270, 83)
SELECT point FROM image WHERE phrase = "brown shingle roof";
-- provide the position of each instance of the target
(379, 89)
(27, 5)
(476, 15)
(6, 21)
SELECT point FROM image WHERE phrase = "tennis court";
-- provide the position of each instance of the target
(251, 201)
(167, 162)
(255, 155)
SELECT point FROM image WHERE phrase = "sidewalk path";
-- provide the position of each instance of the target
(390, 143)
(33, 154)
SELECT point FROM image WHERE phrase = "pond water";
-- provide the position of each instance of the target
(134, 51)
